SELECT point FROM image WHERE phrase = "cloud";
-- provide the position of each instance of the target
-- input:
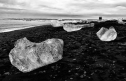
(72, 8)
(7, 1)
(99, 7)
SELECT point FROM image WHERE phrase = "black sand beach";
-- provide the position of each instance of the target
(85, 57)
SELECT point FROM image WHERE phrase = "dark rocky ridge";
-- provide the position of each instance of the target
(85, 57)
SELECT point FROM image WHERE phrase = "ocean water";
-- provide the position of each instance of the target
(7, 25)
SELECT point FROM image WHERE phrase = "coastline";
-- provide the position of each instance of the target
(13, 29)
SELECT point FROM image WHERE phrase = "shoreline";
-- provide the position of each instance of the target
(13, 29)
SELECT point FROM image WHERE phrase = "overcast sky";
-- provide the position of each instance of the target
(63, 8)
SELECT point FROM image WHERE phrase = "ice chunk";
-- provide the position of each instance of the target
(105, 34)
(27, 56)
(71, 28)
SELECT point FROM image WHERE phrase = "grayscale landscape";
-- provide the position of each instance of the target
(62, 40)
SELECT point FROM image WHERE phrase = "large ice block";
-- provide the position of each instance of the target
(27, 56)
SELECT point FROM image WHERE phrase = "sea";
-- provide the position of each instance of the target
(7, 25)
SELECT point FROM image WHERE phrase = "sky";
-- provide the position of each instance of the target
(62, 8)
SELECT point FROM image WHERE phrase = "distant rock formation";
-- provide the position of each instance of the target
(105, 34)
(71, 27)
(27, 56)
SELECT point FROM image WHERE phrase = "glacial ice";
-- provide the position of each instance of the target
(27, 56)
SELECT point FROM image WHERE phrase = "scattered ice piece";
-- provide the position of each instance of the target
(105, 34)
(27, 56)
(71, 28)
